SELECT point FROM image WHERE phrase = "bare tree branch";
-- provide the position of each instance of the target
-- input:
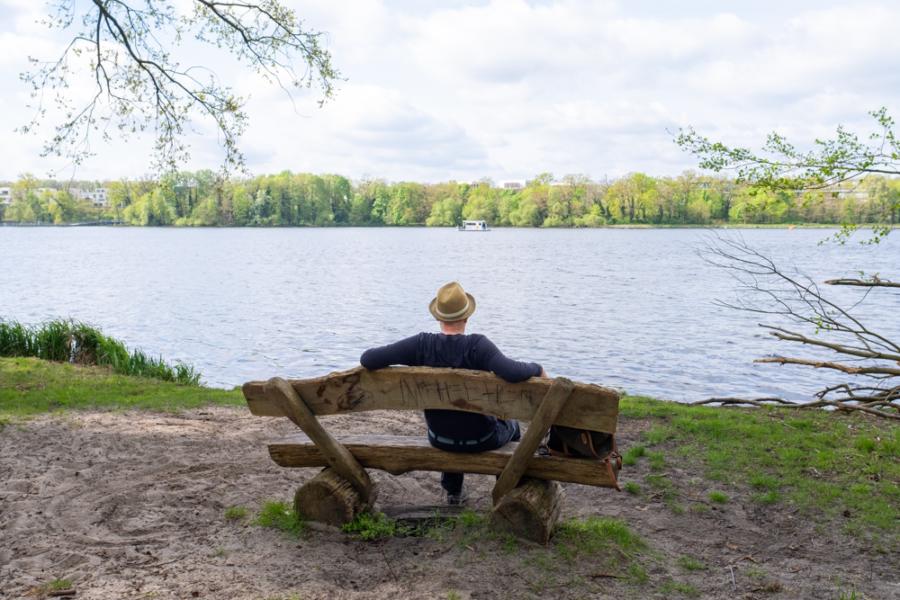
(766, 289)
(875, 282)
(129, 47)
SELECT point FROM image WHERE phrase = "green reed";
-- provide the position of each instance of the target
(74, 342)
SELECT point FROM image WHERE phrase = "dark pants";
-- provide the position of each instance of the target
(504, 432)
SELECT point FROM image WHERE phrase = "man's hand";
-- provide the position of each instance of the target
(543, 373)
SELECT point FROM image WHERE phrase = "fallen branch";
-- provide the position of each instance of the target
(874, 282)
(818, 364)
(841, 405)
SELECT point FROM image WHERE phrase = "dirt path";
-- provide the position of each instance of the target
(131, 505)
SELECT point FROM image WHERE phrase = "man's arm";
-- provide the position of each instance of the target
(505, 368)
(399, 353)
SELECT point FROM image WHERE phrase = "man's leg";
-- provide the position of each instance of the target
(452, 483)
(507, 431)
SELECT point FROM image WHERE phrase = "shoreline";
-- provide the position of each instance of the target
(788, 226)
(704, 489)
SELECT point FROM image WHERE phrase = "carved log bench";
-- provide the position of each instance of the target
(526, 496)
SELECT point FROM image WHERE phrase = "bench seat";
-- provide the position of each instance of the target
(398, 454)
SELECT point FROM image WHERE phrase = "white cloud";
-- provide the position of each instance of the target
(509, 88)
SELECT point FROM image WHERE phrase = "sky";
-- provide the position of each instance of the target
(507, 89)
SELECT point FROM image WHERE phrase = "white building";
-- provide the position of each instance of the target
(99, 197)
(5, 195)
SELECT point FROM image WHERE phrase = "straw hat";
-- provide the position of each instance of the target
(452, 303)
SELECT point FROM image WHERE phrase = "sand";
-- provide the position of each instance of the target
(131, 505)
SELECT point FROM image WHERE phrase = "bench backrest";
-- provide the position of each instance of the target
(417, 388)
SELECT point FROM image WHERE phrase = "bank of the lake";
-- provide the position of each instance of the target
(119, 486)
(834, 469)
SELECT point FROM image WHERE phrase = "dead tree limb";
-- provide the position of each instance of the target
(874, 282)
(820, 322)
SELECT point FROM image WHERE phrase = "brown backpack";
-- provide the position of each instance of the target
(582, 443)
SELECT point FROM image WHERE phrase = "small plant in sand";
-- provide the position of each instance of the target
(595, 535)
(718, 497)
(632, 488)
(281, 516)
(236, 513)
(670, 588)
(689, 563)
(52, 588)
(373, 526)
(631, 456)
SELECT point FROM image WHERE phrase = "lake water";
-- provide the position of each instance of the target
(632, 309)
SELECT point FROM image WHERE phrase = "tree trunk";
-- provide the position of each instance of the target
(329, 498)
(529, 511)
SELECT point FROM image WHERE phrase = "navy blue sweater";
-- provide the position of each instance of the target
(473, 351)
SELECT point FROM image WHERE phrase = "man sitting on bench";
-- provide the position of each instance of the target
(453, 430)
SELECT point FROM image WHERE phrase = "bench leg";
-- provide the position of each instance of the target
(329, 498)
(529, 511)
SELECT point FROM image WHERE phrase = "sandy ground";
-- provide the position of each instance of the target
(131, 505)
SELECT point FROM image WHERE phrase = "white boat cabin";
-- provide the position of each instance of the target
(474, 226)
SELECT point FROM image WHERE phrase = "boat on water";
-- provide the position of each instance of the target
(474, 226)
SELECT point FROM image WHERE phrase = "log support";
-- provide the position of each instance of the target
(338, 457)
(529, 511)
(552, 403)
(331, 499)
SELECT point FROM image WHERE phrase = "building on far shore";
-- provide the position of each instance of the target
(5, 195)
(513, 185)
(99, 197)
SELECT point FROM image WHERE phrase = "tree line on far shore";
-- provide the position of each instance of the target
(203, 198)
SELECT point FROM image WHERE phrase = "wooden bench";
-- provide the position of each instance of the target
(526, 496)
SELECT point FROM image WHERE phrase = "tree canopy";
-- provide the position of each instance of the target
(780, 165)
(207, 198)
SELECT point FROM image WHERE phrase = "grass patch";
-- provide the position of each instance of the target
(689, 563)
(718, 497)
(826, 464)
(679, 587)
(594, 535)
(469, 519)
(46, 589)
(78, 343)
(30, 386)
(59, 584)
(631, 456)
(770, 497)
(280, 516)
(657, 461)
(632, 488)
(373, 526)
(236, 513)
(659, 434)
(638, 574)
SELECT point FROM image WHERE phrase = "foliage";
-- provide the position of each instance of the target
(134, 54)
(205, 198)
(70, 341)
(781, 166)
